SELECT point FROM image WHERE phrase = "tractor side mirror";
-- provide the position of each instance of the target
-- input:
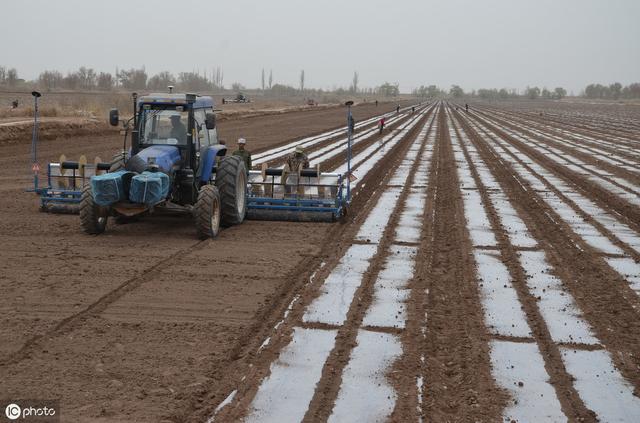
(114, 117)
(210, 121)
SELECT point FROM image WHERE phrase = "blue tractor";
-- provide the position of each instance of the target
(175, 164)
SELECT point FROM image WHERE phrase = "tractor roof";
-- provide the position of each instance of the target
(202, 102)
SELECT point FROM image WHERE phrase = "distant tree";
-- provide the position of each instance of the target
(270, 78)
(192, 81)
(161, 81)
(615, 90)
(532, 93)
(3, 74)
(283, 90)
(388, 90)
(503, 94)
(546, 93)
(302, 80)
(433, 91)
(12, 77)
(354, 83)
(631, 90)
(236, 86)
(218, 79)
(488, 94)
(105, 81)
(133, 79)
(456, 91)
(262, 79)
(50, 80)
(559, 93)
(86, 78)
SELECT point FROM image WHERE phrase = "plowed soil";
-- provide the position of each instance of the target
(146, 323)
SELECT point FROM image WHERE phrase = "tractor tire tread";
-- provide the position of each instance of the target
(226, 180)
(88, 214)
(203, 209)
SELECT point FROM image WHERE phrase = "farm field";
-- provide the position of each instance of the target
(489, 270)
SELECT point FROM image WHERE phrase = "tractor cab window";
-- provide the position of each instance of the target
(199, 116)
(164, 127)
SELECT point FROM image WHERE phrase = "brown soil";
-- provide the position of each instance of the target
(146, 323)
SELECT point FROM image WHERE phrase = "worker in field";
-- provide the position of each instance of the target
(178, 130)
(466, 107)
(243, 153)
(398, 108)
(352, 124)
(298, 159)
(14, 104)
(381, 125)
(376, 103)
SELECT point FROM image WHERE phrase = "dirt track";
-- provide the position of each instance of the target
(490, 270)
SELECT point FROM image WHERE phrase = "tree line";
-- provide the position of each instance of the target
(613, 91)
(88, 79)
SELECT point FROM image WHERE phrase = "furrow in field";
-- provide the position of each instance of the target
(607, 146)
(329, 311)
(623, 184)
(582, 312)
(616, 241)
(545, 300)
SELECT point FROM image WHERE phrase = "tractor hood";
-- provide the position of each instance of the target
(163, 156)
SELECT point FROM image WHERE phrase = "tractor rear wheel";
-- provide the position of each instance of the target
(207, 212)
(231, 180)
(93, 218)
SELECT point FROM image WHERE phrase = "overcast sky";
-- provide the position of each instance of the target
(473, 43)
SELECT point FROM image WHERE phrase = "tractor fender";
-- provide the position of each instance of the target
(208, 160)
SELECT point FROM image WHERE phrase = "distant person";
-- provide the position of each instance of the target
(413, 109)
(244, 154)
(178, 130)
(376, 103)
(381, 125)
(466, 107)
(14, 104)
(398, 108)
(352, 124)
(298, 159)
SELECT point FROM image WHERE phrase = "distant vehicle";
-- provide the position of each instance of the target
(311, 102)
(240, 98)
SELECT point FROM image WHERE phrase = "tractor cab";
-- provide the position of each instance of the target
(167, 119)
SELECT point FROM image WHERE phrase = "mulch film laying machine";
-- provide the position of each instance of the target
(189, 168)
(301, 194)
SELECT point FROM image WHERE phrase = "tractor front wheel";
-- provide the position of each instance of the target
(207, 212)
(93, 218)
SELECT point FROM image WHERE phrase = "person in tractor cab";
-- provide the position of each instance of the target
(243, 153)
(298, 159)
(178, 130)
